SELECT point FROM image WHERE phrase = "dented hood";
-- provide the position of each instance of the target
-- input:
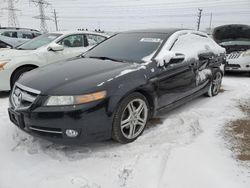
(231, 32)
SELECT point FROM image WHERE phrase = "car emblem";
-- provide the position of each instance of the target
(17, 98)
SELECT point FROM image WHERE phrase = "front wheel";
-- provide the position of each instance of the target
(130, 118)
(215, 86)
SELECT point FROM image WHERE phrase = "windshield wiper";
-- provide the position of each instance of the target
(106, 58)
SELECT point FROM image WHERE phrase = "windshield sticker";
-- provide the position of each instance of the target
(151, 40)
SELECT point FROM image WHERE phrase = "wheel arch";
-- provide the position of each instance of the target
(147, 94)
(20, 67)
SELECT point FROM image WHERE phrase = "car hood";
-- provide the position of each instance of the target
(76, 77)
(231, 32)
(12, 53)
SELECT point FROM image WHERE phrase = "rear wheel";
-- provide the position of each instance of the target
(130, 118)
(18, 73)
(215, 84)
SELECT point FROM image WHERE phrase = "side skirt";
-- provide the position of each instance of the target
(165, 109)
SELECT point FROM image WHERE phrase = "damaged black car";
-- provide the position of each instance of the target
(116, 87)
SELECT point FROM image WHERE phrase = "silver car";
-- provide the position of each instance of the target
(235, 38)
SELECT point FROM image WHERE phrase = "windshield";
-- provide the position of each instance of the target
(236, 43)
(38, 42)
(132, 47)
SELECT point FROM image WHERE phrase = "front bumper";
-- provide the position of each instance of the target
(238, 65)
(5, 80)
(236, 69)
(91, 121)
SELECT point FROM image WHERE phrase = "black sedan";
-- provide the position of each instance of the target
(113, 89)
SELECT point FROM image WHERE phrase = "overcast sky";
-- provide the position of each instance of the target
(117, 15)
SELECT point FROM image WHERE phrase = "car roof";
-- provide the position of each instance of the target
(156, 30)
(78, 32)
(18, 29)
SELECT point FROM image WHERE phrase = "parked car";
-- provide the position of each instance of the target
(235, 39)
(20, 33)
(43, 50)
(113, 89)
(8, 42)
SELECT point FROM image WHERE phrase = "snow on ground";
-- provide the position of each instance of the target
(186, 151)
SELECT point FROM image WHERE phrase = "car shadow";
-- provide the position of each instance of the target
(237, 74)
(4, 94)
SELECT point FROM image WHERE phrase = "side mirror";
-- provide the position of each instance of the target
(55, 47)
(170, 58)
(205, 56)
(178, 58)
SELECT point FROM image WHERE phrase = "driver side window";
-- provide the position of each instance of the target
(73, 41)
(190, 45)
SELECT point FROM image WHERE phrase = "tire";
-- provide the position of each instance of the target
(215, 85)
(18, 73)
(130, 118)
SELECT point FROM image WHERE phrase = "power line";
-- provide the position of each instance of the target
(55, 19)
(153, 5)
(210, 22)
(42, 4)
(199, 19)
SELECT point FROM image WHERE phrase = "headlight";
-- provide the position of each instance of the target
(246, 53)
(73, 100)
(3, 63)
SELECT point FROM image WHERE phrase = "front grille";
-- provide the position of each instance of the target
(47, 131)
(23, 97)
(234, 55)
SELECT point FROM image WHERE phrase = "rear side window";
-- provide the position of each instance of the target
(94, 39)
(73, 41)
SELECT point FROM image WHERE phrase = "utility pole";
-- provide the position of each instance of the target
(199, 19)
(210, 23)
(12, 17)
(55, 19)
(42, 4)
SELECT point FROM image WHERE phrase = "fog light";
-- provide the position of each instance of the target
(71, 133)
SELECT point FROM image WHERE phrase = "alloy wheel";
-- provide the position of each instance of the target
(217, 82)
(134, 118)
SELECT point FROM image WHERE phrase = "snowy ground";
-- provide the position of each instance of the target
(186, 151)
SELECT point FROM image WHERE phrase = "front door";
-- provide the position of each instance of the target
(175, 82)
(74, 45)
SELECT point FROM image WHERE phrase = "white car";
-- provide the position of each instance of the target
(43, 50)
(235, 39)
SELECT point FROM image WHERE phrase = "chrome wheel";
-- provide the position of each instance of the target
(217, 83)
(134, 118)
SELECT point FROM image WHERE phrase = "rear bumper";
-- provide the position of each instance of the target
(5, 80)
(91, 121)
